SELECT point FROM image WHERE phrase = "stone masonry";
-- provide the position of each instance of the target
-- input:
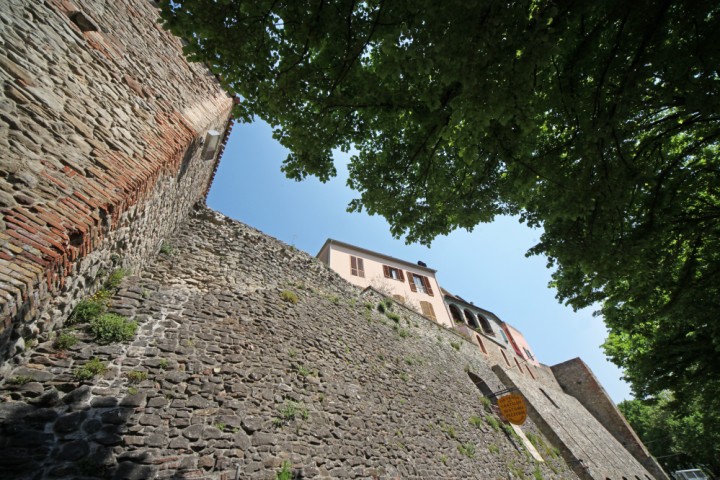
(101, 121)
(250, 354)
(224, 355)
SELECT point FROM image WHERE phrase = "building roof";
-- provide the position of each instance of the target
(365, 251)
(459, 299)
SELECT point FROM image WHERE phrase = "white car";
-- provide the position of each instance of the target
(692, 474)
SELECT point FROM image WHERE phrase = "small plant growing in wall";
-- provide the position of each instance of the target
(110, 327)
(285, 472)
(291, 411)
(288, 296)
(90, 370)
(65, 340)
(304, 371)
(20, 380)
(493, 422)
(475, 421)
(86, 310)
(455, 345)
(448, 430)
(166, 249)
(467, 449)
(136, 376)
(494, 449)
(486, 403)
(114, 279)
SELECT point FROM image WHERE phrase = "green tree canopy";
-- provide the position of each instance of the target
(598, 121)
(677, 440)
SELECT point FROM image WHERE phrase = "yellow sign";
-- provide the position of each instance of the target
(512, 408)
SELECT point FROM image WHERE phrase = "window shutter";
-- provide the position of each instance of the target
(353, 265)
(386, 271)
(426, 282)
(412, 282)
(401, 275)
(361, 267)
(427, 310)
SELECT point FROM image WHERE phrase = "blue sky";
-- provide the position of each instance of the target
(487, 266)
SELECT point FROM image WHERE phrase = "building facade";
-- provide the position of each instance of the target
(413, 285)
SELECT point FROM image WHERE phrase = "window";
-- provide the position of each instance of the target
(482, 345)
(357, 268)
(518, 365)
(427, 310)
(529, 355)
(394, 273)
(455, 313)
(471, 319)
(485, 325)
(527, 367)
(507, 362)
(419, 283)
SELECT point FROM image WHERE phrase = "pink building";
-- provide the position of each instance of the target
(412, 284)
(519, 344)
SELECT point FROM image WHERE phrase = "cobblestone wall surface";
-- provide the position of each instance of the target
(228, 378)
(100, 127)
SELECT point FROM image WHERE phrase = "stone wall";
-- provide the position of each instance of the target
(585, 444)
(237, 378)
(577, 379)
(101, 124)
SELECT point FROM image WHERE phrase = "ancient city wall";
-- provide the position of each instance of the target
(250, 354)
(577, 379)
(101, 124)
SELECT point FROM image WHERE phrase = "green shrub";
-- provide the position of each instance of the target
(403, 333)
(136, 376)
(86, 311)
(166, 249)
(393, 316)
(110, 327)
(494, 448)
(289, 296)
(91, 369)
(467, 449)
(64, 341)
(455, 345)
(381, 307)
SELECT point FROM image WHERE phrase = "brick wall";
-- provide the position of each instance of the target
(101, 121)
